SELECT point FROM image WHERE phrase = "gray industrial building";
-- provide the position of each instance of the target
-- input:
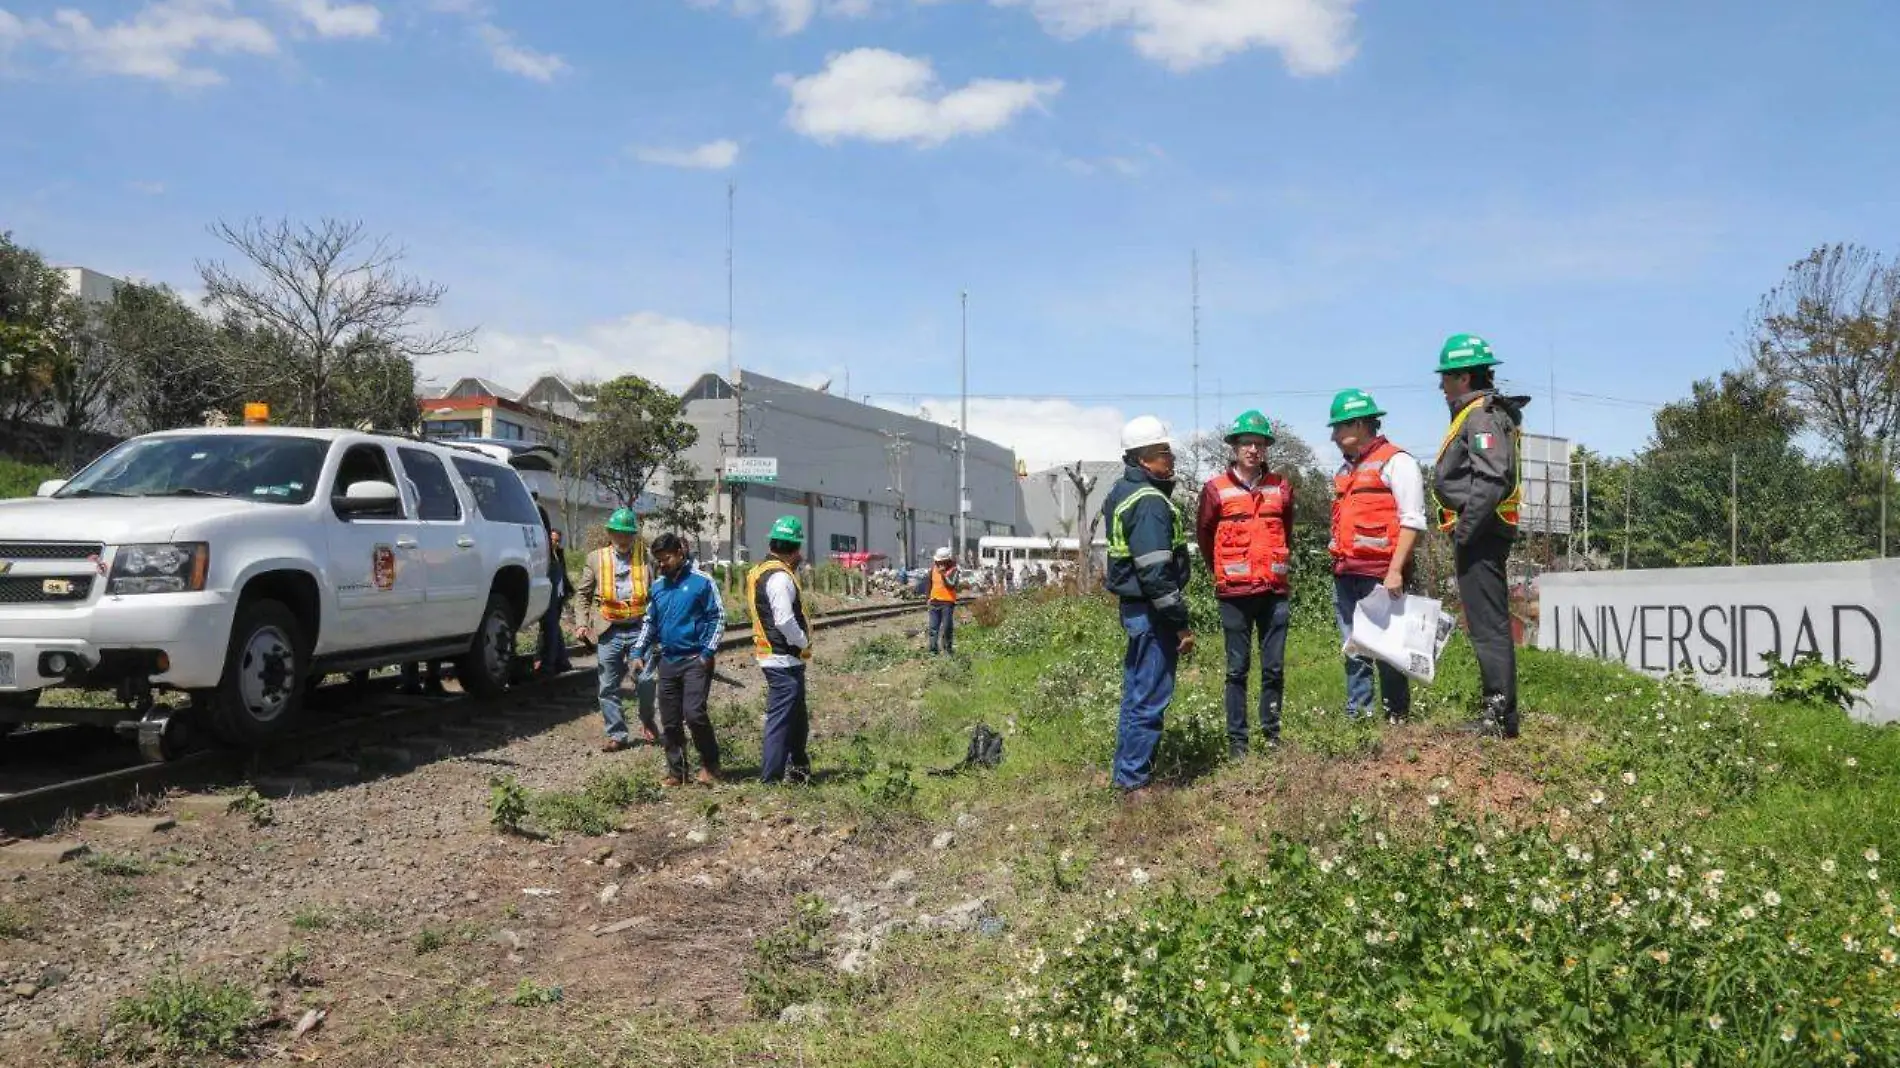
(1049, 499)
(863, 478)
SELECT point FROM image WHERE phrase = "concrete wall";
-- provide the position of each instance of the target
(837, 474)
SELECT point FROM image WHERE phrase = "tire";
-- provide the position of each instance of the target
(488, 666)
(19, 701)
(262, 693)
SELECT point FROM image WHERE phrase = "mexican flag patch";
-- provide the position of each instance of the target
(1483, 441)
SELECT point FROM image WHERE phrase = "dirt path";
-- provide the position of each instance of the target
(389, 902)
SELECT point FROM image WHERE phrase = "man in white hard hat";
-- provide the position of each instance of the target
(943, 601)
(1148, 570)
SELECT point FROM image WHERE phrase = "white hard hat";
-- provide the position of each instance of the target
(1143, 431)
(942, 555)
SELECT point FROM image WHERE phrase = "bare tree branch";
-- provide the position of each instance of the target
(332, 292)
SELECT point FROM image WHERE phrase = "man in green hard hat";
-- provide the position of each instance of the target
(781, 639)
(611, 599)
(1244, 525)
(1378, 518)
(1477, 489)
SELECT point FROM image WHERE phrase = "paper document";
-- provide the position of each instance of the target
(1407, 632)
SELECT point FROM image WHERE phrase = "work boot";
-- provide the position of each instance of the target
(707, 777)
(1237, 750)
(614, 745)
(671, 781)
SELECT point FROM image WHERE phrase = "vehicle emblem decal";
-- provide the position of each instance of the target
(383, 568)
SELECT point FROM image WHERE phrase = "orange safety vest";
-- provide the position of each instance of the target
(1508, 507)
(612, 609)
(1365, 515)
(1250, 541)
(767, 640)
(941, 592)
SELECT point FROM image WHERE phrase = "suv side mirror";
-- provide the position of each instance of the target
(50, 487)
(368, 499)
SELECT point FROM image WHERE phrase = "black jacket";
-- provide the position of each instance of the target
(1478, 467)
(1156, 568)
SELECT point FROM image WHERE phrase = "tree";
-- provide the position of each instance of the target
(32, 297)
(638, 430)
(172, 369)
(1289, 456)
(329, 293)
(1831, 332)
(375, 388)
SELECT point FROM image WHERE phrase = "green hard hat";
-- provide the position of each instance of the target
(1465, 352)
(1351, 404)
(1249, 422)
(788, 528)
(623, 521)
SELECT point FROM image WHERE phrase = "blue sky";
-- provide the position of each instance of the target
(1605, 187)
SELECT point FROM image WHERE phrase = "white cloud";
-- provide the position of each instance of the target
(792, 16)
(874, 95)
(670, 351)
(1043, 433)
(158, 42)
(711, 156)
(518, 59)
(150, 189)
(1312, 36)
(332, 19)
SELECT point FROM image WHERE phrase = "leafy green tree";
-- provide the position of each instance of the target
(638, 431)
(32, 300)
(172, 369)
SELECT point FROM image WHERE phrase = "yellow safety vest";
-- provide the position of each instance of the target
(612, 609)
(766, 639)
(1508, 507)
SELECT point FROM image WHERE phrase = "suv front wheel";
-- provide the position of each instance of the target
(261, 695)
(487, 666)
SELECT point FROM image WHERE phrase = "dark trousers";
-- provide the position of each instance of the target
(787, 726)
(1244, 621)
(682, 697)
(553, 643)
(1486, 597)
(943, 625)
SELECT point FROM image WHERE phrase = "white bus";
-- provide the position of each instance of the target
(1015, 556)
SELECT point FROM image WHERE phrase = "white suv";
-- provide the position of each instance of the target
(238, 565)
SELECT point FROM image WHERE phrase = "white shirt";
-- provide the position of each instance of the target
(779, 595)
(1401, 475)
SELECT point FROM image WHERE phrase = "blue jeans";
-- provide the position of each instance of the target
(943, 621)
(1395, 689)
(1154, 650)
(787, 726)
(615, 649)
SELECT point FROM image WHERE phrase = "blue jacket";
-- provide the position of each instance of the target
(685, 617)
(1155, 569)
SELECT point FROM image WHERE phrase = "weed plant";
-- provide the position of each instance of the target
(178, 1017)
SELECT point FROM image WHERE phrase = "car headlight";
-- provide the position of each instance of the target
(162, 568)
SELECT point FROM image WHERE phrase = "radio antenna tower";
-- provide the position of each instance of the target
(1194, 271)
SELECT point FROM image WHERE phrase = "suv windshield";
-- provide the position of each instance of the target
(271, 470)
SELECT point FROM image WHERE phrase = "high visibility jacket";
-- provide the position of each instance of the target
(1147, 547)
(1365, 515)
(767, 639)
(1508, 507)
(612, 608)
(1249, 551)
(943, 588)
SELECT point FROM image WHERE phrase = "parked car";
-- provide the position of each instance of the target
(238, 564)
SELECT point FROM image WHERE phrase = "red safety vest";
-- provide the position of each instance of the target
(1250, 541)
(1365, 515)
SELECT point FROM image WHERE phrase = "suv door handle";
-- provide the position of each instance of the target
(405, 543)
(465, 542)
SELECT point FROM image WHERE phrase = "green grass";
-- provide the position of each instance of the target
(19, 479)
(180, 1017)
(1248, 870)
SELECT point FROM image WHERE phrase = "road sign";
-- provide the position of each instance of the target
(752, 469)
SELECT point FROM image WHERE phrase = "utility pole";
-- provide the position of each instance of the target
(898, 451)
(1629, 498)
(1734, 512)
(963, 435)
(1084, 529)
(737, 515)
(1194, 298)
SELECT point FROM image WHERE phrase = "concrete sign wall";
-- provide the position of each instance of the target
(1718, 622)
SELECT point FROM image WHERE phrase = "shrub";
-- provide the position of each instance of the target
(1810, 680)
(530, 994)
(619, 789)
(572, 813)
(507, 803)
(879, 653)
(254, 807)
(177, 1016)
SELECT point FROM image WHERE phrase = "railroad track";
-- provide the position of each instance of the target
(38, 807)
